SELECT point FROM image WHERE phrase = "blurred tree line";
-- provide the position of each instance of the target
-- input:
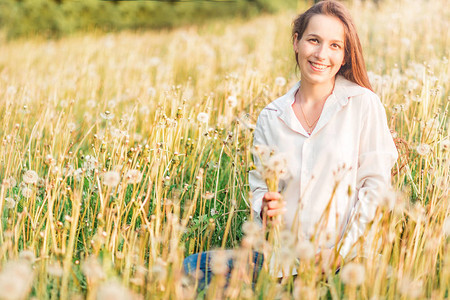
(54, 18)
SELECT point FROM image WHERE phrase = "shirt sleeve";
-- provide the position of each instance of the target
(257, 185)
(377, 156)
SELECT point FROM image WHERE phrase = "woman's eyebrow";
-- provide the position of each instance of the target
(318, 36)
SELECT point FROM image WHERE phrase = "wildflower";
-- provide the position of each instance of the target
(305, 250)
(232, 101)
(10, 203)
(9, 182)
(16, 279)
(54, 269)
(111, 178)
(133, 176)
(412, 289)
(213, 212)
(446, 226)
(30, 177)
(219, 262)
(27, 192)
(92, 269)
(107, 115)
(113, 290)
(423, 149)
(353, 274)
(203, 117)
(280, 81)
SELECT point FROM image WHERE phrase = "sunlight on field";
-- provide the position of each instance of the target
(123, 153)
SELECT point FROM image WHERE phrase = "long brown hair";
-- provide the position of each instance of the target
(354, 68)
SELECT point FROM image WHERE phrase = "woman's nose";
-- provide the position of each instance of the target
(320, 52)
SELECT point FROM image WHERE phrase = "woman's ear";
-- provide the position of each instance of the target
(296, 42)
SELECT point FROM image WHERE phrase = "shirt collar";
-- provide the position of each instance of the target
(343, 90)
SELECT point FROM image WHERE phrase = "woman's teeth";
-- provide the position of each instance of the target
(319, 66)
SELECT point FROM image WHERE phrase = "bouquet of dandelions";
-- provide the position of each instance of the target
(272, 167)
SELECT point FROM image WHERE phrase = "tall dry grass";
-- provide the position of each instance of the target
(121, 154)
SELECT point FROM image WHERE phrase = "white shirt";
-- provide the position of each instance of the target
(350, 150)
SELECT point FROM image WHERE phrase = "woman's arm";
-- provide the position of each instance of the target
(377, 155)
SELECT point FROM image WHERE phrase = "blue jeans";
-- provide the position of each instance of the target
(201, 261)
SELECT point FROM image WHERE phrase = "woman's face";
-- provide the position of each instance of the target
(321, 50)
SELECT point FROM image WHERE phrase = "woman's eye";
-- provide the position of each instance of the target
(336, 46)
(314, 40)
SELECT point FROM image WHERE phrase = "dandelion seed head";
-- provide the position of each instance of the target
(251, 228)
(353, 274)
(445, 145)
(92, 269)
(9, 182)
(77, 174)
(91, 103)
(113, 290)
(446, 226)
(71, 126)
(280, 81)
(27, 192)
(203, 117)
(10, 203)
(90, 163)
(409, 288)
(30, 177)
(11, 90)
(232, 101)
(16, 279)
(28, 256)
(151, 92)
(133, 176)
(423, 149)
(54, 269)
(219, 262)
(305, 250)
(111, 178)
(107, 115)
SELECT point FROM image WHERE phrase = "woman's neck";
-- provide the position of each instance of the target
(315, 93)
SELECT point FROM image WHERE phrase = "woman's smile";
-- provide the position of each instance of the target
(317, 66)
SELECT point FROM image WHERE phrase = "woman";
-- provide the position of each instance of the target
(332, 130)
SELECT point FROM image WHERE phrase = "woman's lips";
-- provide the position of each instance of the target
(318, 67)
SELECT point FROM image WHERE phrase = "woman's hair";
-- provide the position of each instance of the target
(354, 68)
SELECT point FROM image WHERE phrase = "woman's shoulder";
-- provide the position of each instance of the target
(358, 95)
(279, 105)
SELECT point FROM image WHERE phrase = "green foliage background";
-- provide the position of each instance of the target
(49, 18)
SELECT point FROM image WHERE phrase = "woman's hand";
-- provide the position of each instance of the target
(272, 205)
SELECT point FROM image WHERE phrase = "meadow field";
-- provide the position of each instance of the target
(123, 153)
